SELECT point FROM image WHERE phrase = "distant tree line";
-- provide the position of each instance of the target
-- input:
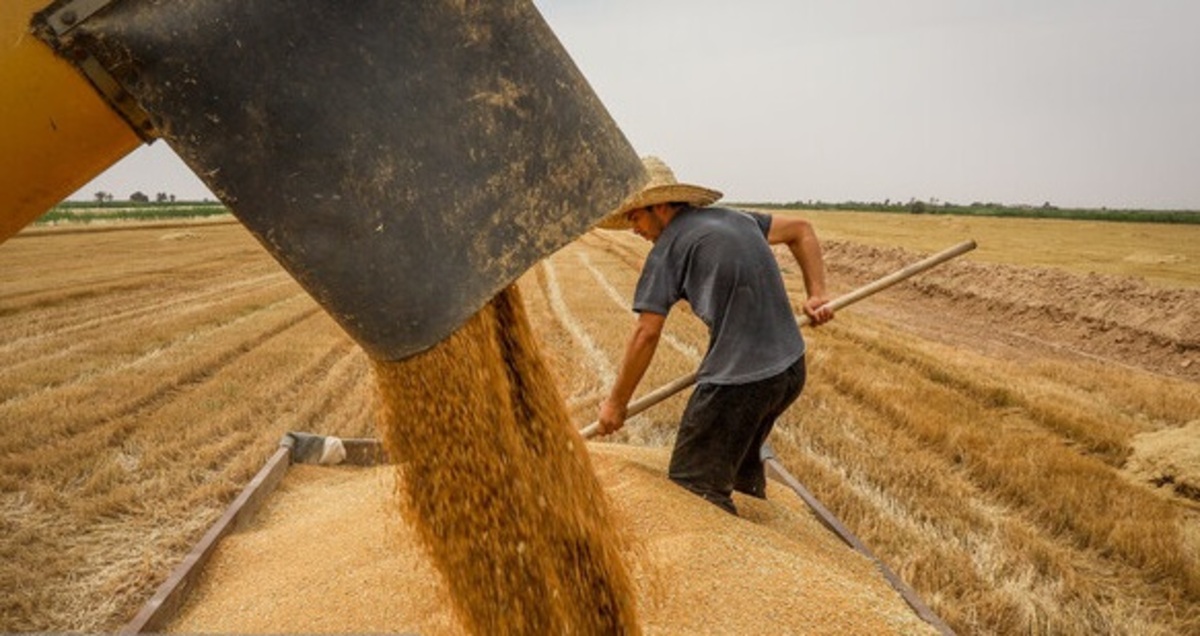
(139, 207)
(912, 206)
(103, 197)
(1046, 210)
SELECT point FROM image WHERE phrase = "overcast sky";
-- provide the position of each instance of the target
(1091, 103)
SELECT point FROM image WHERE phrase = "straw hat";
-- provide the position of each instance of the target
(661, 188)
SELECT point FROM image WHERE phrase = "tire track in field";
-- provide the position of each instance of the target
(597, 360)
(680, 346)
(110, 285)
(294, 399)
(148, 291)
(683, 348)
(631, 256)
(191, 302)
(207, 364)
(151, 316)
(1070, 486)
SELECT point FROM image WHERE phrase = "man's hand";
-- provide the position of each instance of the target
(638, 353)
(612, 417)
(817, 310)
(801, 240)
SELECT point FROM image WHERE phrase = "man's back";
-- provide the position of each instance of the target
(719, 261)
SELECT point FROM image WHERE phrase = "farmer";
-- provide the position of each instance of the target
(720, 261)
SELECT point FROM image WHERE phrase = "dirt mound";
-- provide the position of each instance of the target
(1122, 320)
(326, 555)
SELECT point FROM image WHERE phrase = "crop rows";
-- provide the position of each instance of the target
(149, 372)
(142, 390)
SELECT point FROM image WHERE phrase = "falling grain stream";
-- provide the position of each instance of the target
(499, 486)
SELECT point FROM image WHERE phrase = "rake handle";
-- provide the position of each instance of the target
(681, 383)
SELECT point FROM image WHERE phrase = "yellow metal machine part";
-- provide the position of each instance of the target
(56, 131)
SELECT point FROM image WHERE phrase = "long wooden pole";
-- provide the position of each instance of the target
(679, 384)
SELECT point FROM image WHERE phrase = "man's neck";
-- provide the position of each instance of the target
(668, 213)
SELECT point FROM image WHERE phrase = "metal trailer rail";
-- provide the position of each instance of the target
(775, 469)
(172, 593)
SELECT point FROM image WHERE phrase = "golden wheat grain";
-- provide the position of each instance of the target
(498, 485)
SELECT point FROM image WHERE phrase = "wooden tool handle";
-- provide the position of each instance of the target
(679, 384)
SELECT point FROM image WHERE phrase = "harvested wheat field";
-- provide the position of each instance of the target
(1012, 432)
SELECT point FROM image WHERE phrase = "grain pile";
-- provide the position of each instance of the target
(499, 487)
(328, 555)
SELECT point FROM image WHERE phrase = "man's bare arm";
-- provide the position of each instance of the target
(801, 239)
(639, 351)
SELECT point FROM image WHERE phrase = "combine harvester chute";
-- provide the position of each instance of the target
(403, 161)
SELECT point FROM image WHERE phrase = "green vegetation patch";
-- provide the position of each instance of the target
(86, 212)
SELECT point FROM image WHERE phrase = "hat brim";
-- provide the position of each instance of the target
(673, 193)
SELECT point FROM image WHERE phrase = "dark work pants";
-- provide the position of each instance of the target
(723, 428)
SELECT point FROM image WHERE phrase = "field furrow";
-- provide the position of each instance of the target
(96, 347)
(624, 298)
(112, 265)
(966, 554)
(1070, 497)
(597, 362)
(566, 361)
(128, 385)
(625, 248)
(1117, 321)
(80, 320)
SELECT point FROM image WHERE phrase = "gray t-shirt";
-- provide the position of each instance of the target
(719, 261)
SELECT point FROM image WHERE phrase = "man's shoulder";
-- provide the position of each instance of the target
(727, 216)
(712, 213)
(721, 211)
(718, 210)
